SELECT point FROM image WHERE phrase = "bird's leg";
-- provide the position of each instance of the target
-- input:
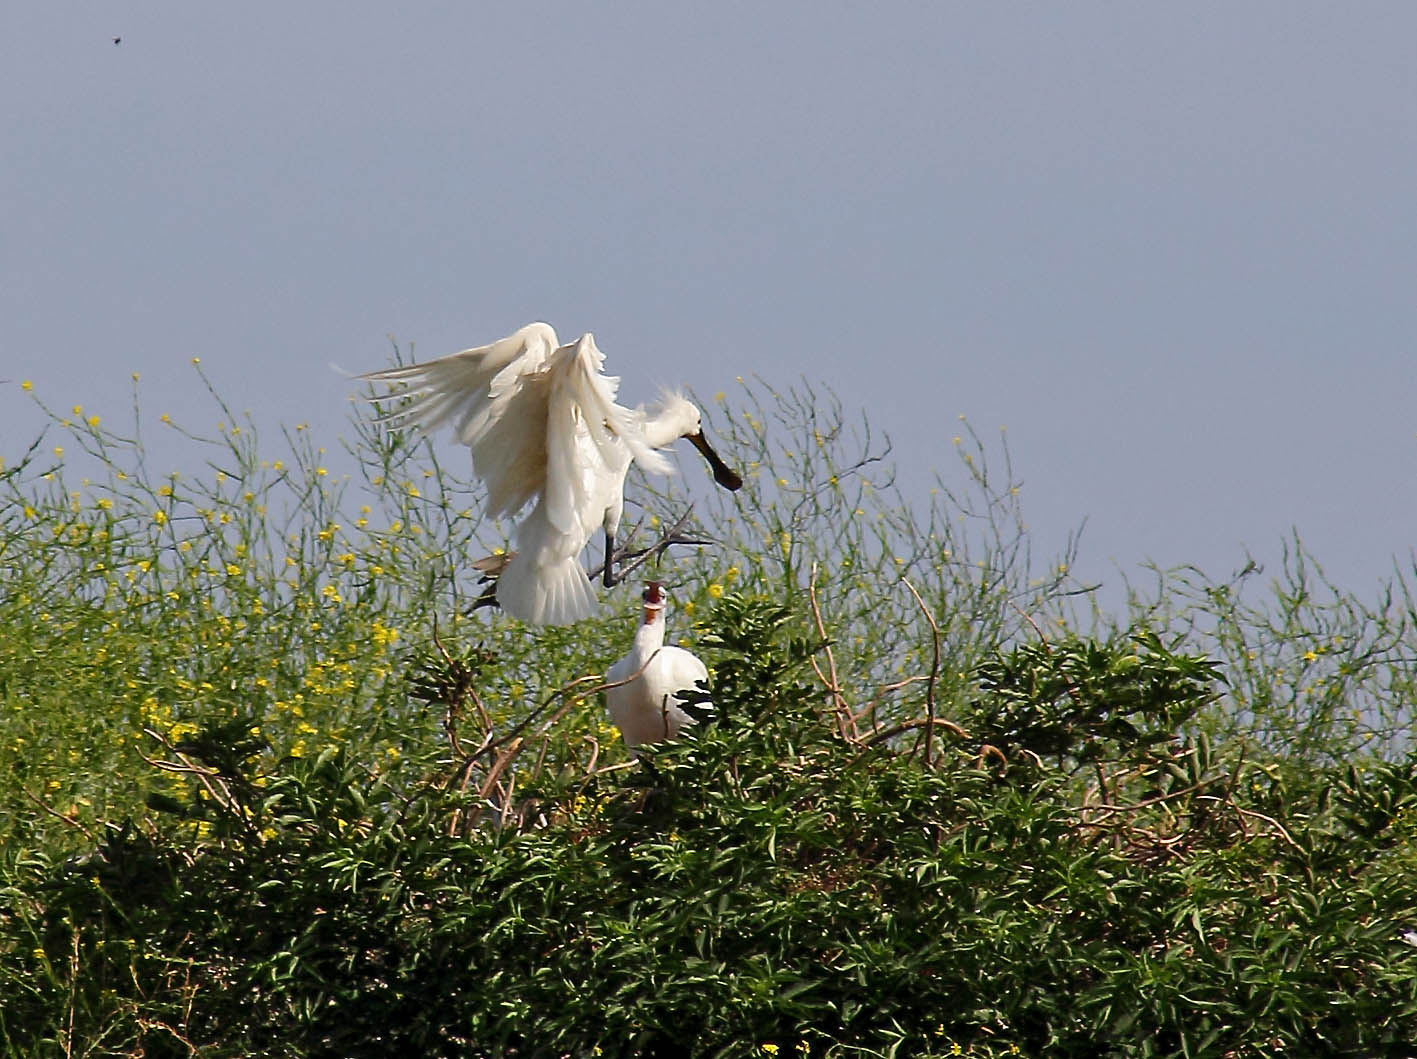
(487, 599)
(630, 559)
(671, 536)
(608, 575)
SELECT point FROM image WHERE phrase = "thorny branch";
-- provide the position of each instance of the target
(215, 783)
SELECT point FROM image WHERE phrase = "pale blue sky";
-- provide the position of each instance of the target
(1173, 247)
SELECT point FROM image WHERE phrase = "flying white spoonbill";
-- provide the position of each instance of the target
(647, 708)
(544, 429)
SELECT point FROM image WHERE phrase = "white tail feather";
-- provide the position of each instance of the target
(557, 593)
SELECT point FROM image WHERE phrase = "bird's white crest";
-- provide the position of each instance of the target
(545, 432)
(674, 416)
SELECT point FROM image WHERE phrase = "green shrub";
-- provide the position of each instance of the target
(768, 882)
(313, 807)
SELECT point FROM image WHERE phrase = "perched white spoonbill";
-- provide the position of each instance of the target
(544, 429)
(647, 708)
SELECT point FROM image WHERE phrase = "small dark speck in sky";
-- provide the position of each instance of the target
(117, 40)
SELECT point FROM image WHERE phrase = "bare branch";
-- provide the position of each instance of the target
(934, 670)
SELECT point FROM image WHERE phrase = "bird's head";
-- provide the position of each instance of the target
(655, 600)
(678, 417)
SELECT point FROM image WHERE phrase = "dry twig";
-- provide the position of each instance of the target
(839, 705)
(934, 672)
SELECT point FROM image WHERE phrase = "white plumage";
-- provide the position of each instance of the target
(647, 708)
(545, 430)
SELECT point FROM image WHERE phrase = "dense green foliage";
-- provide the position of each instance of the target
(271, 787)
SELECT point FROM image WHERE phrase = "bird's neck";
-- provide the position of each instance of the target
(649, 637)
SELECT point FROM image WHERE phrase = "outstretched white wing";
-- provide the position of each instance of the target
(541, 420)
(496, 398)
(588, 435)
